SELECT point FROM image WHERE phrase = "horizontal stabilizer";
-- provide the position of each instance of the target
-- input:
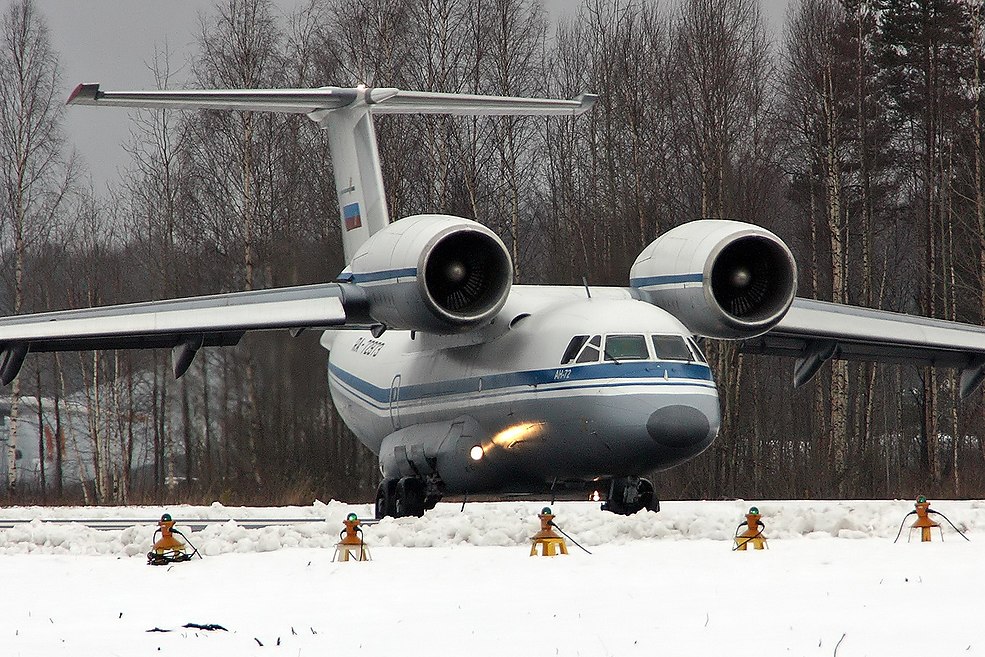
(306, 101)
(425, 102)
(295, 101)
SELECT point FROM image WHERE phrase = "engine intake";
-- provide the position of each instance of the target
(465, 273)
(722, 279)
(434, 273)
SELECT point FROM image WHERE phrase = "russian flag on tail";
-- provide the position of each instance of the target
(350, 215)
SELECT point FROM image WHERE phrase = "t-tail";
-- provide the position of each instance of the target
(347, 114)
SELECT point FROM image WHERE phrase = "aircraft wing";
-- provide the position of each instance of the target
(308, 101)
(183, 324)
(816, 331)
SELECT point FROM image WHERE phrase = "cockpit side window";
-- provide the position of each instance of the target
(626, 347)
(671, 347)
(574, 347)
(590, 353)
(698, 356)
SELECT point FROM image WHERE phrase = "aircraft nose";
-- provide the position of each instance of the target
(679, 426)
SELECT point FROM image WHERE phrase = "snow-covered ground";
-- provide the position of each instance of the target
(832, 583)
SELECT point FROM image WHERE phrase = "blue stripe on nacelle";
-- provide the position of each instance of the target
(579, 376)
(666, 280)
(373, 276)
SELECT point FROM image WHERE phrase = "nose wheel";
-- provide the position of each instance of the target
(627, 495)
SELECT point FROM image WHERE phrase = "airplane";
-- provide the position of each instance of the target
(464, 383)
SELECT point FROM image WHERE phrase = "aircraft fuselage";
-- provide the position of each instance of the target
(560, 387)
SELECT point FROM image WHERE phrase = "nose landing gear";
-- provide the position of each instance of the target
(407, 496)
(627, 495)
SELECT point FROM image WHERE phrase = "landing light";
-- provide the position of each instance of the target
(476, 453)
(595, 496)
(517, 433)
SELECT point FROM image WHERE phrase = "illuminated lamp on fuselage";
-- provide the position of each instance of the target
(517, 433)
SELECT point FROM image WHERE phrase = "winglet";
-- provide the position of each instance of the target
(84, 94)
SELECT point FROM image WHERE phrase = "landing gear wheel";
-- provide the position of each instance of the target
(628, 495)
(410, 497)
(386, 495)
(648, 499)
(431, 501)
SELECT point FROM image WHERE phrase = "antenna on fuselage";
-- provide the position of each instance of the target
(584, 281)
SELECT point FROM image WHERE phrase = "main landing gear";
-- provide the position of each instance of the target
(627, 495)
(407, 496)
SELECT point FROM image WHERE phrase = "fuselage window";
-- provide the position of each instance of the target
(671, 347)
(626, 347)
(590, 353)
(696, 350)
(574, 347)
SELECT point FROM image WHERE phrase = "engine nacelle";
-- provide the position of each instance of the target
(434, 273)
(721, 279)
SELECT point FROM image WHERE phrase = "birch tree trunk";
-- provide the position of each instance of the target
(33, 176)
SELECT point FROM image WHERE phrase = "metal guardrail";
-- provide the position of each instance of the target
(194, 524)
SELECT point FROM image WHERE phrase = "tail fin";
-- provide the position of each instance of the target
(347, 113)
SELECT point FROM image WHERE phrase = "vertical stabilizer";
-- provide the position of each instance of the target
(358, 178)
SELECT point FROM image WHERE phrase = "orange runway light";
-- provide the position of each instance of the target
(351, 545)
(923, 521)
(549, 541)
(753, 532)
(167, 549)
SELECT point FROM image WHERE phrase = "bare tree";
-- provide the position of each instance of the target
(722, 83)
(34, 175)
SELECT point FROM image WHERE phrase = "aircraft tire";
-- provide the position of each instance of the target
(647, 497)
(431, 501)
(386, 494)
(410, 497)
(626, 503)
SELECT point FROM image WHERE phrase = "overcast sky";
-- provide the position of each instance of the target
(109, 41)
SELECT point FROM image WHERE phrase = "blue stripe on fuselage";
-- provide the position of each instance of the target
(374, 276)
(581, 376)
(666, 280)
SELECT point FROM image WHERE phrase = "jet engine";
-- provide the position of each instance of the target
(434, 273)
(721, 279)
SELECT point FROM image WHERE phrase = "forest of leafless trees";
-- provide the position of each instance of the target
(855, 135)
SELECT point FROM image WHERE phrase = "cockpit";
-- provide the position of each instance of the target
(631, 346)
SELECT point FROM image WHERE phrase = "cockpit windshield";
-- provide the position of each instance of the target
(626, 347)
(671, 347)
(574, 347)
(619, 347)
(590, 354)
(700, 357)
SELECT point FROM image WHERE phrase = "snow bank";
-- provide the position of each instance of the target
(481, 524)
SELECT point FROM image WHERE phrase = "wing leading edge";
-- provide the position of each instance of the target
(185, 325)
(816, 331)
